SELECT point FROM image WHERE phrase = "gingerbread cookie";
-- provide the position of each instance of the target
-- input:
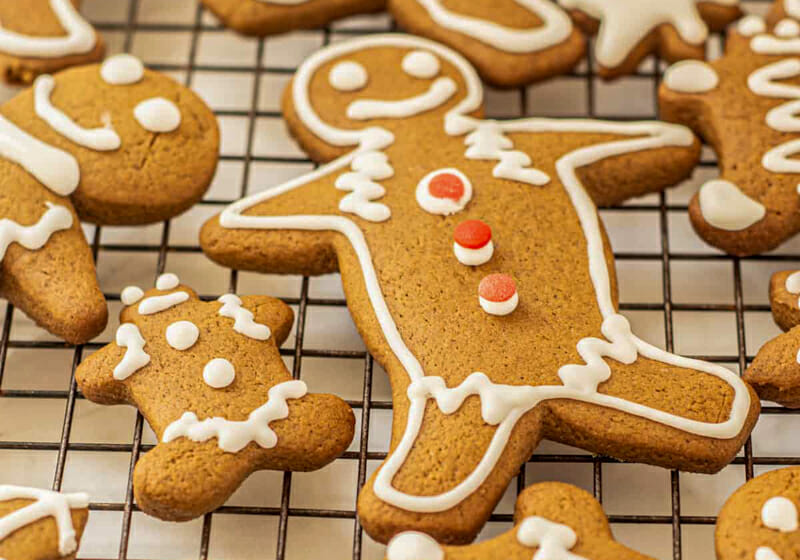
(44, 36)
(211, 383)
(775, 372)
(628, 31)
(743, 104)
(552, 520)
(47, 267)
(269, 17)
(490, 353)
(141, 147)
(510, 42)
(760, 520)
(40, 524)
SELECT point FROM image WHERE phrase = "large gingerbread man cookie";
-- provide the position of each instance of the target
(552, 520)
(760, 520)
(629, 30)
(269, 17)
(211, 383)
(44, 36)
(510, 42)
(478, 273)
(744, 105)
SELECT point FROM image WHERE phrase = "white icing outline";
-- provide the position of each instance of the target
(502, 405)
(233, 436)
(100, 139)
(556, 27)
(623, 24)
(55, 169)
(80, 37)
(47, 504)
(34, 237)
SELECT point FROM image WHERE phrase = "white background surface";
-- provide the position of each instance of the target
(162, 36)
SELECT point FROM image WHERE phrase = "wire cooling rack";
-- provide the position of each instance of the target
(679, 294)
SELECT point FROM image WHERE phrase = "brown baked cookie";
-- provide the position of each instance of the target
(478, 273)
(743, 105)
(44, 36)
(146, 146)
(47, 267)
(552, 520)
(40, 524)
(211, 383)
(510, 42)
(759, 521)
(270, 17)
(775, 372)
(630, 30)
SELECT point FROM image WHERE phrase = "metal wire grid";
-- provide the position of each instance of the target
(366, 404)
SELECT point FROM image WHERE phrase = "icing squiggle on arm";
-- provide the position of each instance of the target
(80, 37)
(56, 218)
(233, 436)
(101, 139)
(46, 504)
(554, 540)
(135, 358)
(243, 318)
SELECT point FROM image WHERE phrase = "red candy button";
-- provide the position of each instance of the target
(446, 185)
(497, 288)
(472, 234)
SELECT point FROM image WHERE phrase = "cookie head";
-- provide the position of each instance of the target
(358, 91)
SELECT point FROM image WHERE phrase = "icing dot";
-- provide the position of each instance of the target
(122, 69)
(167, 281)
(446, 185)
(780, 514)
(766, 553)
(472, 234)
(691, 76)
(219, 373)
(793, 283)
(131, 295)
(421, 64)
(751, 25)
(725, 206)
(182, 335)
(348, 76)
(787, 28)
(158, 115)
(412, 545)
(497, 294)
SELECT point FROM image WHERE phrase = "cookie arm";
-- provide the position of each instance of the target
(95, 377)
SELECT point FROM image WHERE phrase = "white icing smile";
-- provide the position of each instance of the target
(439, 93)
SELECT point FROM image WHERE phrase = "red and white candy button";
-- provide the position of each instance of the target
(444, 191)
(472, 243)
(497, 294)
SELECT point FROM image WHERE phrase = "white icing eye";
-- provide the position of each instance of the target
(158, 115)
(348, 76)
(122, 69)
(421, 64)
(691, 76)
(751, 25)
(787, 28)
(444, 191)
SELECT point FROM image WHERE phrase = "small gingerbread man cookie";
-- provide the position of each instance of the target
(760, 520)
(744, 105)
(552, 520)
(40, 524)
(510, 42)
(629, 30)
(494, 334)
(270, 17)
(211, 383)
(140, 147)
(775, 371)
(44, 36)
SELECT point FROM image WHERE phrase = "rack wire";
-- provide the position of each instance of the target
(658, 207)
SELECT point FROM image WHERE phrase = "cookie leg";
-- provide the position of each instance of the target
(183, 479)
(435, 466)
